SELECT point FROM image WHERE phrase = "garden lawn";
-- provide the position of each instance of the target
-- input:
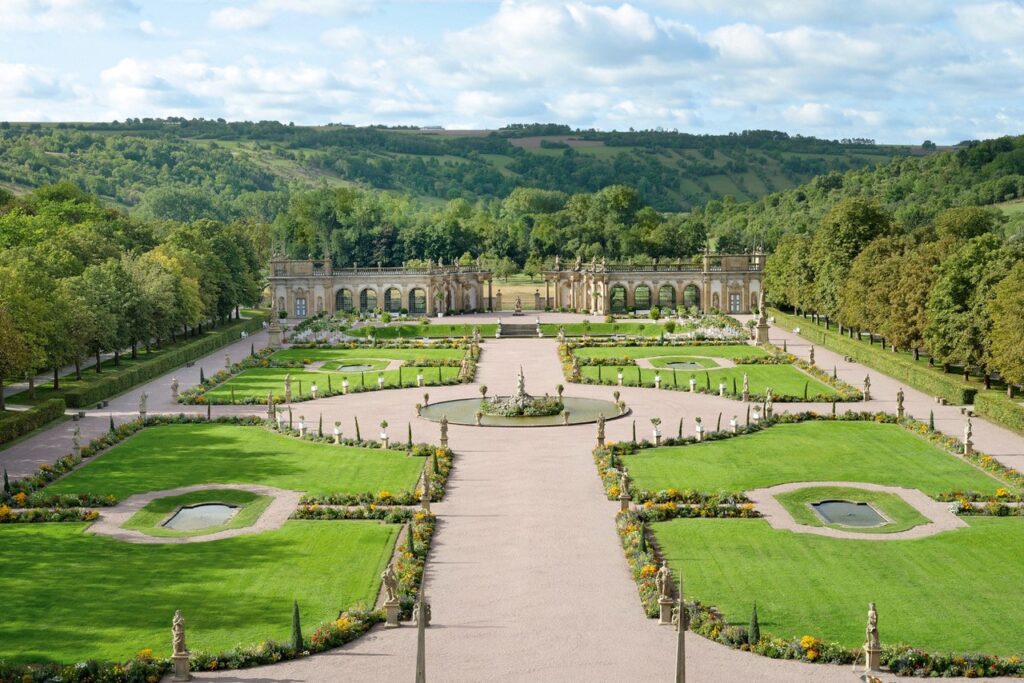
(707, 351)
(258, 382)
(786, 381)
(901, 515)
(148, 520)
(808, 451)
(315, 355)
(955, 592)
(411, 331)
(169, 456)
(110, 599)
(649, 329)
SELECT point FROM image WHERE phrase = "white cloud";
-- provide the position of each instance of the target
(49, 15)
(344, 37)
(259, 13)
(993, 22)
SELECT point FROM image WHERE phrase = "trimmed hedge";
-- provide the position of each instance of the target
(923, 379)
(114, 382)
(1000, 409)
(21, 423)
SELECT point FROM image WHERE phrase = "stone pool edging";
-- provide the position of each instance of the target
(283, 503)
(773, 512)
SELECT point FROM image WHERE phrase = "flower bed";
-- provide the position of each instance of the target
(10, 515)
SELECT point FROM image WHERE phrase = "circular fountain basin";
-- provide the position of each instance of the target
(684, 365)
(196, 517)
(354, 368)
(463, 412)
(847, 513)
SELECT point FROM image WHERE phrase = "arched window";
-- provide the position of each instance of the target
(691, 296)
(367, 300)
(417, 302)
(343, 300)
(667, 297)
(753, 300)
(392, 300)
(642, 298)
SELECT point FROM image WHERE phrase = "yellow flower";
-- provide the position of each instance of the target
(5, 513)
(1001, 493)
(144, 653)
(648, 570)
(812, 655)
(808, 642)
(20, 498)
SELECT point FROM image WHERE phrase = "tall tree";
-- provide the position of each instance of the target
(1006, 352)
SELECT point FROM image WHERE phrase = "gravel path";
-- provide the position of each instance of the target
(276, 514)
(941, 519)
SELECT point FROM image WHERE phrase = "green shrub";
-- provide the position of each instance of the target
(894, 365)
(21, 423)
(100, 387)
(1000, 409)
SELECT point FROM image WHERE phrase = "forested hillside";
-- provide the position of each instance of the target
(912, 190)
(184, 169)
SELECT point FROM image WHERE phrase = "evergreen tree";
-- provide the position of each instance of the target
(680, 434)
(320, 427)
(359, 438)
(643, 537)
(296, 627)
(202, 376)
(111, 423)
(408, 440)
(634, 431)
(733, 386)
(754, 632)
(436, 465)
(931, 420)
(7, 484)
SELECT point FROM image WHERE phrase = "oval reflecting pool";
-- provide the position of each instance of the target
(684, 365)
(848, 514)
(463, 412)
(201, 516)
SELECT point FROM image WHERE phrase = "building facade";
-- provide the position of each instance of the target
(305, 288)
(730, 283)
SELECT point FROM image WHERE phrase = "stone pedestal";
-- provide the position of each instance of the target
(274, 334)
(180, 663)
(762, 332)
(624, 499)
(665, 606)
(700, 433)
(142, 415)
(968, 448)
(425, 503)
(721, 389)
(746, 396)
(873, 658)
(900, 412)
(693, 385)
(391, 610)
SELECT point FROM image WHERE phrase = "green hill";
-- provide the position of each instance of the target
(159, 165)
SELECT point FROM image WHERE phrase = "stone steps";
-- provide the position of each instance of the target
(513, 331)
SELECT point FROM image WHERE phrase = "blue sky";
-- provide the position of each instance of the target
(893, 70)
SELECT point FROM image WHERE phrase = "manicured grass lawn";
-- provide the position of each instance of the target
(168, 456)
(72, 596)
(315, 355)
(956, 592)
(708, 351)
(257, 382)
(809, 451)
(784, 380)
(901, 514)
(434, 331)
(148, 520)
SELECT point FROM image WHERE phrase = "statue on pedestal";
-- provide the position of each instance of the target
(142, 404)
(390, 582)
(663, 581)
(178, 634)
(899, 402)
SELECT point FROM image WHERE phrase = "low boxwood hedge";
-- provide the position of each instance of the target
(113, 382)
(21, 423)
(894, 365)
(1000, 409)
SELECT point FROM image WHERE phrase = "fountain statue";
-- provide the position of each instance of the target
(521, 403)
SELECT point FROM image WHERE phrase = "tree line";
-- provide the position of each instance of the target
(78, 279)
(952, 285)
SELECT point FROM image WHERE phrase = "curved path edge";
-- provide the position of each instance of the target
(778, 517)
(277, 513)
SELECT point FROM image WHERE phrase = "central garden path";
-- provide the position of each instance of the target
(526, 577)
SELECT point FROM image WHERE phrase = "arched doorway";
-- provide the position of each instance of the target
(417, 302)
(617, 299)
(343, 300)
(642, 298)
(667, 297)
(392, 300)
(367, 300)
(691, 297)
